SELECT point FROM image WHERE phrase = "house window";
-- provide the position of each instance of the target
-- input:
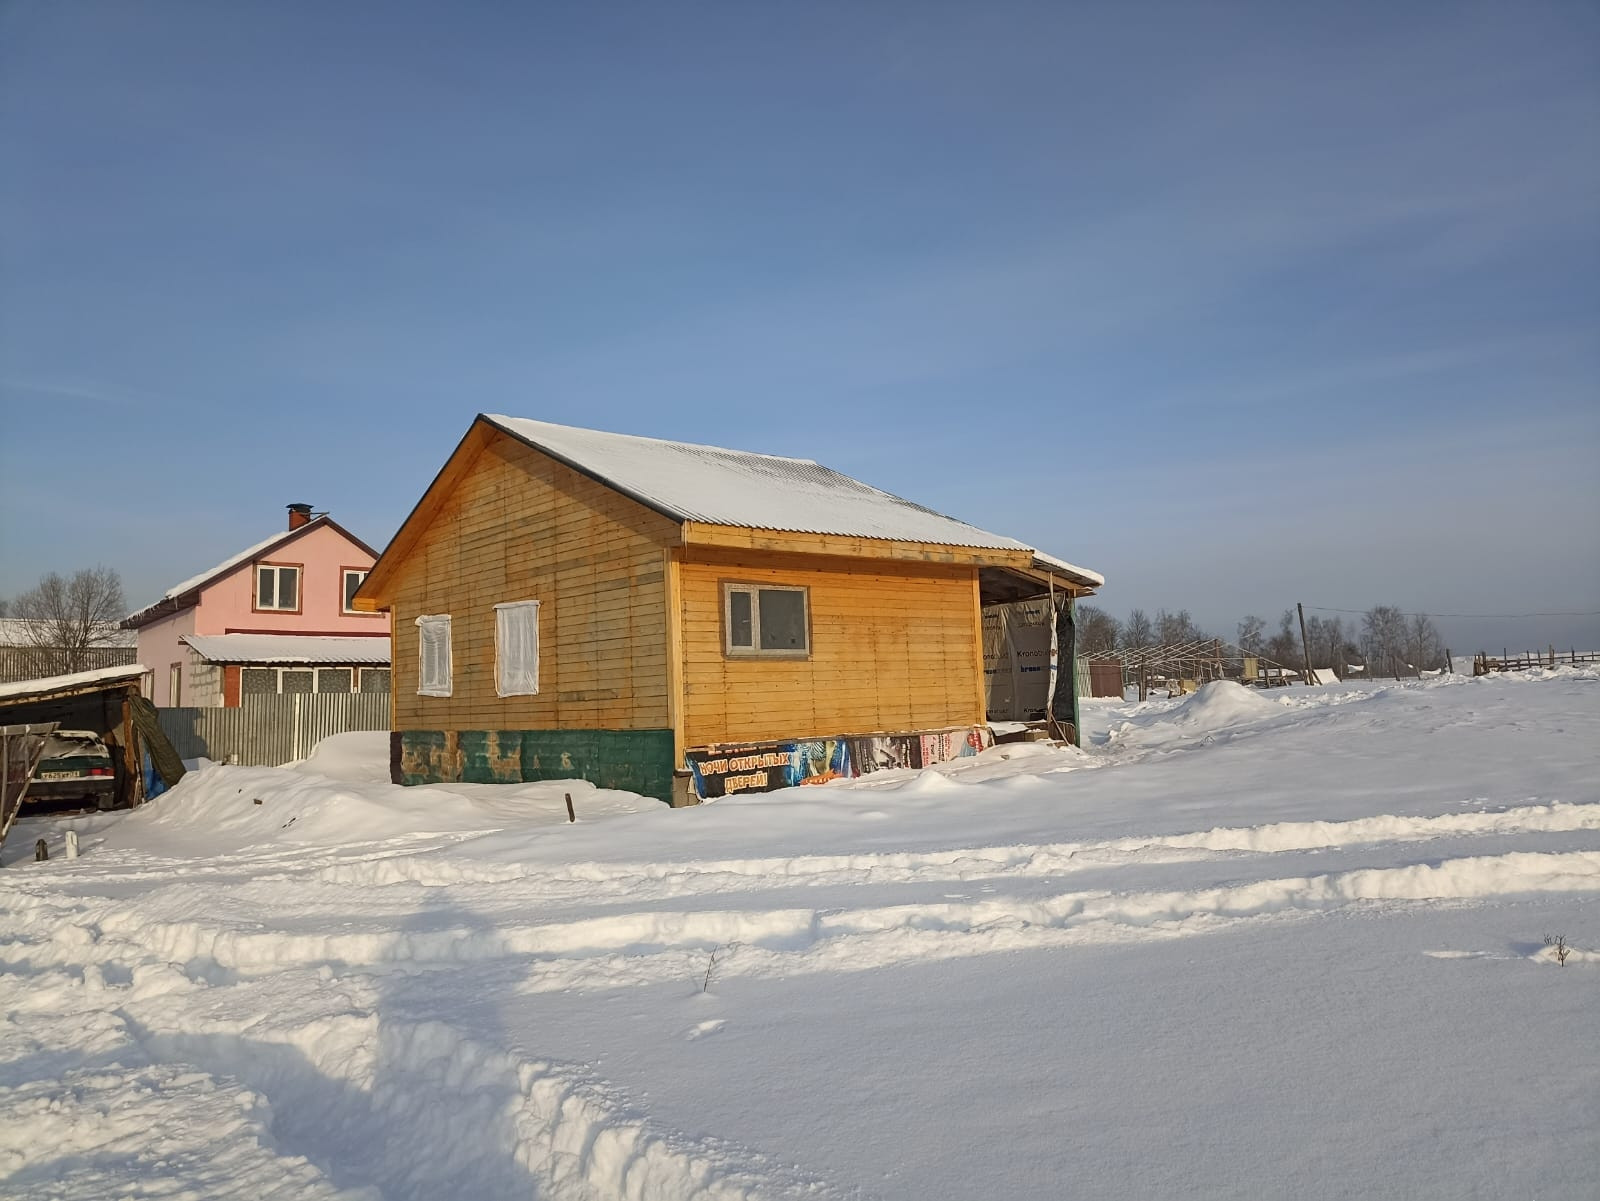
(175, 685)
(277, 588)
(352, 581)
(766, 620)
(516, 648)
(433, 650)
(273, 681)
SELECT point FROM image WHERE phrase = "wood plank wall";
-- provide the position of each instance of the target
(521, 526)
(894, 648)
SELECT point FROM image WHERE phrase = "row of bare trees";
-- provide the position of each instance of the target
(1385, 641)
(57, 626)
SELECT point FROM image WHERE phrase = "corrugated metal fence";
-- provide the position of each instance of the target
(265, 731)
(18, 663)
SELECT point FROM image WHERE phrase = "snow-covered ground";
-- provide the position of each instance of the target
(1243, 945)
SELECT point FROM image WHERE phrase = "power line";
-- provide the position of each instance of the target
(1495, 616)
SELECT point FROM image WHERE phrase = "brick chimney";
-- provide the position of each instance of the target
(299, 515)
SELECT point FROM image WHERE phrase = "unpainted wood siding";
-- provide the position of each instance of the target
(521, 526)
(894, 648)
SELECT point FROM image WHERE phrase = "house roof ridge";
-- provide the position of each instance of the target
(171, 599)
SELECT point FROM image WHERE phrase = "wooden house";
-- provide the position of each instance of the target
(567, 603)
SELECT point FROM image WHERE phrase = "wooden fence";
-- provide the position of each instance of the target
(1484, 663)
(265, 731)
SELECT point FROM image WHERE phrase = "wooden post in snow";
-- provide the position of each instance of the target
(130, 757)
(1305, 643)
(571, 814)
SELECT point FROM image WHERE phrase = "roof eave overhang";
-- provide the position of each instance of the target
(733, 537)
(165, 607)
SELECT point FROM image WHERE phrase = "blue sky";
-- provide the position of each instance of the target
(1238, 304)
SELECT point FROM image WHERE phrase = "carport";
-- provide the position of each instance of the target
(109, 702)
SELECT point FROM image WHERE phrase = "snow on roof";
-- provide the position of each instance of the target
(16, 631)
(740, 488)
(288, 648)
(78, 679)
(196, 581)
(177, 591)
(1050, 563)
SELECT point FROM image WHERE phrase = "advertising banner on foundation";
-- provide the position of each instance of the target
(762, 767)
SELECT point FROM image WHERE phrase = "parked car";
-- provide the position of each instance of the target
(76, 766)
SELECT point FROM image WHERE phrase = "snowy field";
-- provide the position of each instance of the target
(1243, 945)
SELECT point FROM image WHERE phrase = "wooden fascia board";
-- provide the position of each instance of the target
(372, 595)
(697, 533)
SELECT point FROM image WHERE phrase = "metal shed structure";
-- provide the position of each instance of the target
(109, 703)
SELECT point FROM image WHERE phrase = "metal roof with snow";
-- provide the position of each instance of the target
(290, 648)
(68, 685)
(27, 631)
(181, 596)
(712, 484)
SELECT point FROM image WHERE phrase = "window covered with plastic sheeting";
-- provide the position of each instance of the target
(433, 645)
(516, 648)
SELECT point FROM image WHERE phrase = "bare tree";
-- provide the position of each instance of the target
(1097, 630)
(1251, 630)
(1384, 633)
(1284, 646)
(1138, 631)
(67, 617)
(1424, 646)
(1175, 629)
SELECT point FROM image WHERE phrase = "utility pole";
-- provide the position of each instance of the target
(1305, 643)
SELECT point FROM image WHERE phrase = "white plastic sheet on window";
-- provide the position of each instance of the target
(516, 648)
(433, 642)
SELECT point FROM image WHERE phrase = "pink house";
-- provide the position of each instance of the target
(275, 617)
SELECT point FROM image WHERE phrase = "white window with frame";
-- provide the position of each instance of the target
(433, 654)
(766, 621)
(277, 587)
(516, 648)
(352, 581)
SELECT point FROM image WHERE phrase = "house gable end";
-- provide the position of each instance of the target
(485, 438)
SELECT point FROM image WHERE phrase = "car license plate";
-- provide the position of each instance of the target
(58, 775)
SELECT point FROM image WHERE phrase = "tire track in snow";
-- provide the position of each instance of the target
(655, 880)
(626, 949)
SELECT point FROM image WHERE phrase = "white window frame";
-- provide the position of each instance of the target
(513, 618)
(344, 586)
(754, 650)
(277, 589)
(433, 629)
